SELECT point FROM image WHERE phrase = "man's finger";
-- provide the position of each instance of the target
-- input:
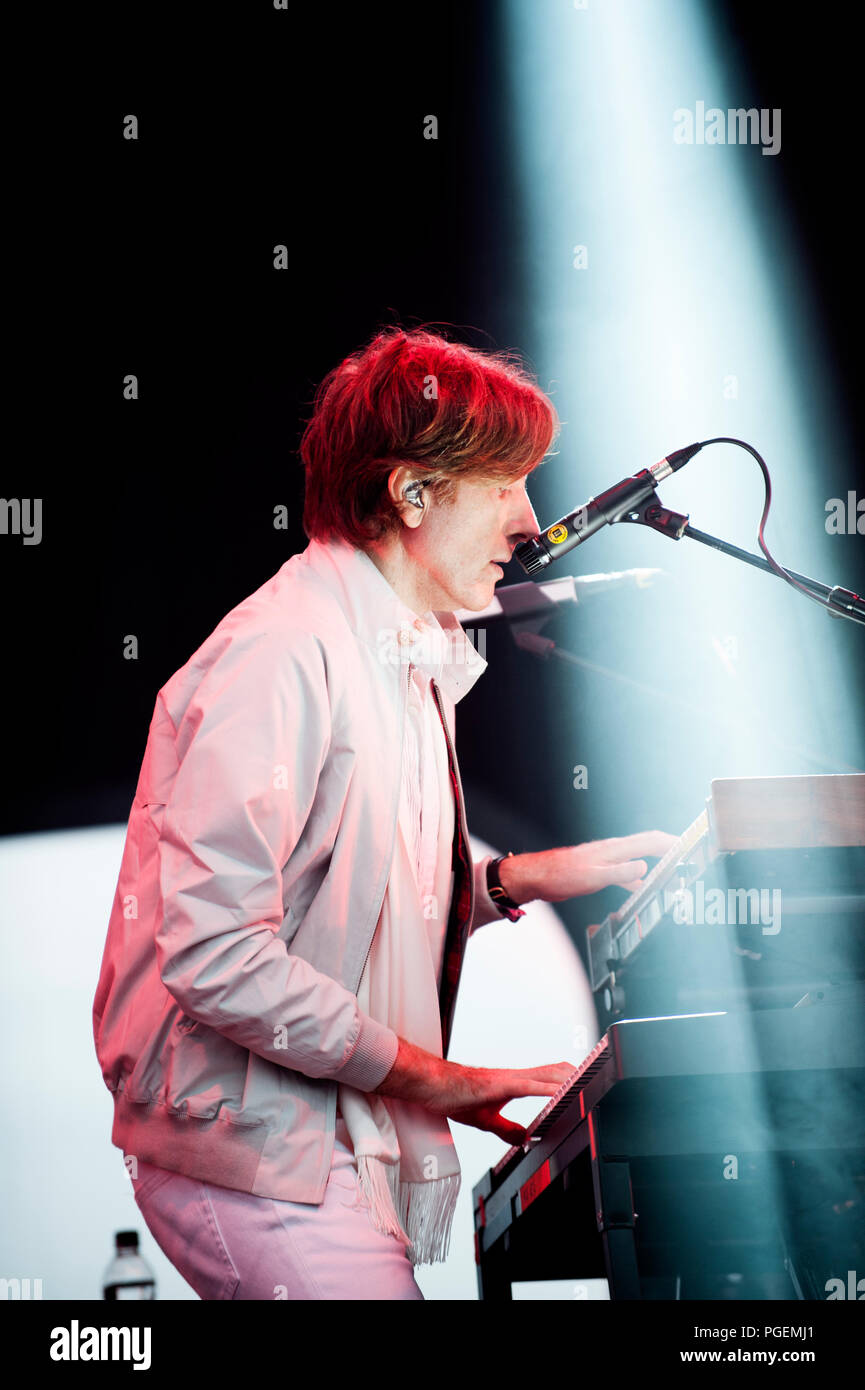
(511, 1133)
(655, 843)
(630, 872)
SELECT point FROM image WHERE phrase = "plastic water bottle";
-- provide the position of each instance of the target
(128, 1275)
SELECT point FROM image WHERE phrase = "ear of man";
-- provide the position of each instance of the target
(406, 492)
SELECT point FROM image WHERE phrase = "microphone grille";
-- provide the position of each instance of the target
(531, 556)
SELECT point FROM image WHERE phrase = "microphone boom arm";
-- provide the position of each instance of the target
(841, 603)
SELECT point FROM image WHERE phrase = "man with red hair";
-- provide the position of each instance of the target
(279, 980)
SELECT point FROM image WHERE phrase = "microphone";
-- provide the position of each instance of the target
(544, 599)
(606, 509)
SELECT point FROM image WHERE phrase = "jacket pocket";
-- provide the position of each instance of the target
(205, 1076)
(195, 1072)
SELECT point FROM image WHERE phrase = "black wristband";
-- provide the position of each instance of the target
(506, 906)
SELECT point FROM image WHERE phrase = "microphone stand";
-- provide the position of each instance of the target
(843, 603)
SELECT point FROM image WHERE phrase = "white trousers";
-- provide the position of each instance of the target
(233, 1245)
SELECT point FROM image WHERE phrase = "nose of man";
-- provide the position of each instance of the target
(524, 526)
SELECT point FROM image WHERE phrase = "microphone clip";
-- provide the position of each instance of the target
(651, 513)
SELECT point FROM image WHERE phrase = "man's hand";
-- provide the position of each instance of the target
(475, 1095)
(472, 1095)
(574, 870)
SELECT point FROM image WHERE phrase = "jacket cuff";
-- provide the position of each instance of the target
(372, 1056)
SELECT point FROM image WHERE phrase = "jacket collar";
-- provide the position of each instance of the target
(435, 642)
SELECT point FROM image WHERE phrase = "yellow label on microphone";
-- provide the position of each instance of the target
(557, 534)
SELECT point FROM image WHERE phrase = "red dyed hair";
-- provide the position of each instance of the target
(412, 397)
